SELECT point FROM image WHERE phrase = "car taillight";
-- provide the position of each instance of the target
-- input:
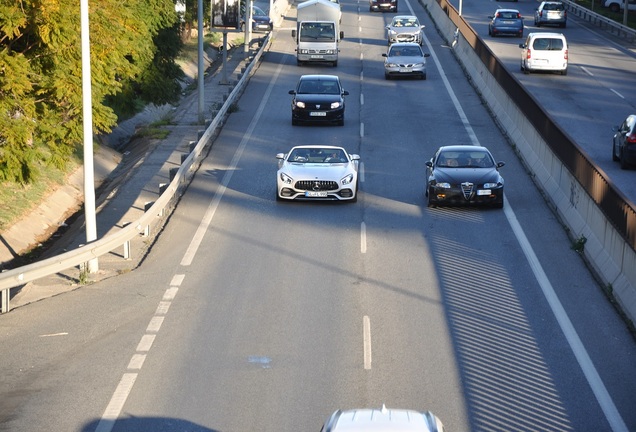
(541, 13)
(565, 54)
(518, 15)
(631, 138)
(528, 55)
(498, 16)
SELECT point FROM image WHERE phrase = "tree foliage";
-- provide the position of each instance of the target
(41, 73)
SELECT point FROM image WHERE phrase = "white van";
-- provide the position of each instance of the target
(544, 52)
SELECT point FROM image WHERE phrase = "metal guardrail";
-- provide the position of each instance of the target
(601, 21)
(80, 256)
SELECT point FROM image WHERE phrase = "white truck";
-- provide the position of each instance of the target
(317, 32)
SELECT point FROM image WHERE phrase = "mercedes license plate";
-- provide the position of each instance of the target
(312, 194)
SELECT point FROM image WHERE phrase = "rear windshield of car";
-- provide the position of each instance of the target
(553, 6)
(548, 44)
(508, 15)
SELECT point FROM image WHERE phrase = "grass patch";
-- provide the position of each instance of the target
(18, 200)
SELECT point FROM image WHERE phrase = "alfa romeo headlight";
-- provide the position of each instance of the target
(443, 185)
(490, 185)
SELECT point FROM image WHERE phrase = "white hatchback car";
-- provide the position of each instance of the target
(544, 52)
(383, 420)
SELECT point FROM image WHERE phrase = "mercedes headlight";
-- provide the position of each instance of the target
(347, 179)
(285, 178)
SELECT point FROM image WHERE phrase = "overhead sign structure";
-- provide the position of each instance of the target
(225, 14)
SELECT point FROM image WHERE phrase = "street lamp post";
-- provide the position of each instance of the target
(87, 109)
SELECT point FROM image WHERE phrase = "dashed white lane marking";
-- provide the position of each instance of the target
(363, 237)
(366, 341)
(117, 401)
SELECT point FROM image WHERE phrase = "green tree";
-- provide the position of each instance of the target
(41, 75)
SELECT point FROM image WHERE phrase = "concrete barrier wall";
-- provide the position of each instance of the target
(606, 251)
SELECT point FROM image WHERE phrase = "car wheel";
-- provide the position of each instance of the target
(335, 63)
(294, 122)
(299, 63)
(614, 7)
(341, 122)
(624, 164)
(614, 157)
(499, 204)
(423, 76)
(564, 71)
(278, 198)
(429, 201)
(387, 76)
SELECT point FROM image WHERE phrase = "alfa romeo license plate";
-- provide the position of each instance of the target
(483, 192)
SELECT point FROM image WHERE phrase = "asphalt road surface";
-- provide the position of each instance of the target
(252, 314)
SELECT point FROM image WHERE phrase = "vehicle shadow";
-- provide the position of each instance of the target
(145, 424)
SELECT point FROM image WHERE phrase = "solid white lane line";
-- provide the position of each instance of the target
(116, 403)
(209, 214)
(617, 94)
(592, 376)
(363, 237)
(585, 362)
(366, 340)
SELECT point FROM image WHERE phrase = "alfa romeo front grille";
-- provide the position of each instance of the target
(467, 189)
(316, 185)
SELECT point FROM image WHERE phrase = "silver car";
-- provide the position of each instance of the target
(317, 173)
(551, 13)
(405, 28)
(383, 420)
(405, 59)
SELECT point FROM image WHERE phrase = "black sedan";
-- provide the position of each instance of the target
(624, 142)
(464, 175)
(319, 99)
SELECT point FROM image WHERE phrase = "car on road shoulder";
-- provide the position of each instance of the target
(464, 175)
(382, 420)
(317, 173)
(617, 5)
(551, 13)
(506, 22)
(318, 99)
(544, 52)
(624, 142)
(405, 59)
(383, 5)
(405, 28)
